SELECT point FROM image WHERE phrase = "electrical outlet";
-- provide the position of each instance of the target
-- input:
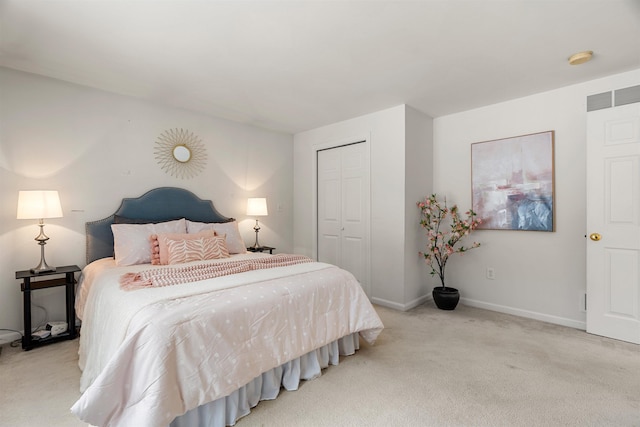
(491, 273)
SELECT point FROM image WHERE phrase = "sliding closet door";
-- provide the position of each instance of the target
(343, 200)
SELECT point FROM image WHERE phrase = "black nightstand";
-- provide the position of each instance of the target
(261, 249)
(29, 286)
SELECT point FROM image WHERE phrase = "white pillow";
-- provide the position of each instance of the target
(131, 242)
(235, 243)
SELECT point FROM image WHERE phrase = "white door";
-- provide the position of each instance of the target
(343, 208)
(613, 222)
(330, 206)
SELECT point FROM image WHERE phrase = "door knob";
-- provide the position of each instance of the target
(595, 236)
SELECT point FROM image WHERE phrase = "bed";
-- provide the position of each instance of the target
(191, 330)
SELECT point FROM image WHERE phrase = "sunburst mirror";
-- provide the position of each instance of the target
(180, 153)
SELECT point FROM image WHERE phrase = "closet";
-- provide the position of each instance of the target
(343, 208)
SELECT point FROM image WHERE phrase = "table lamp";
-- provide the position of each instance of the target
(39, 205)
(257, 206)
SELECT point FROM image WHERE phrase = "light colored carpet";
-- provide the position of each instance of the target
(468, 367)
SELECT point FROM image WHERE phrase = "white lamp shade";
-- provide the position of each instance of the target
(38, 205)
(257, 206)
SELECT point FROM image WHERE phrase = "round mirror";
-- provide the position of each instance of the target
(181, 153)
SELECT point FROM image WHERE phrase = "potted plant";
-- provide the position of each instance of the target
(444, 229)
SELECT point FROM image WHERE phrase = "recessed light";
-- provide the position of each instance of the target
(580, 57)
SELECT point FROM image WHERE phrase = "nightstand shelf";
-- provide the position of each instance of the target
(261, 249)
(28, 285)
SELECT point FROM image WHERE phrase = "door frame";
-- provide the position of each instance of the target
(337, 143)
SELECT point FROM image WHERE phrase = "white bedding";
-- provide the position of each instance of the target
(150, 355)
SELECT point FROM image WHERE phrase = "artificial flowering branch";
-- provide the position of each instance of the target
(435, 217)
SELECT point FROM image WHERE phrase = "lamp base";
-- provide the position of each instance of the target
(43, 267)
(256, 245)
(47, 269)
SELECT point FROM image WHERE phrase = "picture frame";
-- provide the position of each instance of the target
(513, 182)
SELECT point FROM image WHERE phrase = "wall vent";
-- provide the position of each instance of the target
(599, 101)
(628, 95)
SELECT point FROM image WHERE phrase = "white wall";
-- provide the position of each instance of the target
(387, 133)
(539, 275)
(418, 185)
(95, 148)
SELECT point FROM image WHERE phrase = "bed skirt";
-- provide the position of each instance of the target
(227, 410)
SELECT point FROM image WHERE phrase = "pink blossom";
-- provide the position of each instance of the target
(444, 229)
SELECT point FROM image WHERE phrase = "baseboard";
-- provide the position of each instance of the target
(526, 313)
(402, 307)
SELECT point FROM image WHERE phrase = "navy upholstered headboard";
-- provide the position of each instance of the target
(157, 205)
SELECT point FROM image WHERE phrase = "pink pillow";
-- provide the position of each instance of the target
(159, 250)
(201, 248)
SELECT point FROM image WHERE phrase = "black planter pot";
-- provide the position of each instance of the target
(446, 298)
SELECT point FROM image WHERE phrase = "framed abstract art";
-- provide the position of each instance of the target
(512, 182)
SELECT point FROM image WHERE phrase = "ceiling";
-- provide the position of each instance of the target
(291, 66)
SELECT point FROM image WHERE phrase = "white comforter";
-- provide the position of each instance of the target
(150, 355)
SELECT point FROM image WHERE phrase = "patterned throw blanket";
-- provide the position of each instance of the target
(192, 273)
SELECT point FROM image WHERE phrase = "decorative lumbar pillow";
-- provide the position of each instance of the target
(131, 241)
(235, 243)
(201, 248)
(159, 249)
